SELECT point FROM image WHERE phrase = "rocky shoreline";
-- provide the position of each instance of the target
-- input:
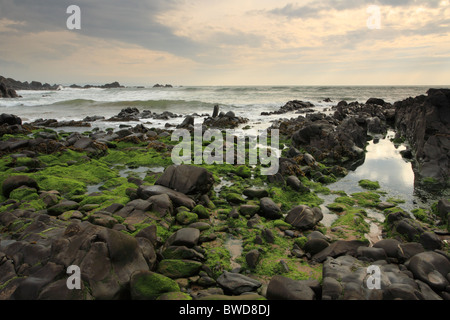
(9, 86)
(112, 203)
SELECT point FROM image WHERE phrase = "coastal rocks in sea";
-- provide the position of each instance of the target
(187, 179)
(133, 114)
(127, 114)
(425, 121)
(10, 119)
(291, 106)
(6, 92)
(227, 120)
(53, 123)
(112, 85)
(33, 85)
(188, 123)
(303, 217)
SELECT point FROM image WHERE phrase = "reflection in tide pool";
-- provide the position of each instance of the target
(383, 163)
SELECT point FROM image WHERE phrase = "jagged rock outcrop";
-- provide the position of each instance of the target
(425, 123)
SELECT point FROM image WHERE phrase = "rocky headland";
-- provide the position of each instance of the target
(138, 227)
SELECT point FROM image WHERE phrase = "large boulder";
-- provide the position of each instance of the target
(339, 248)
(177, 198)
(147, 285)
(184, 237)
(331, 144)
(107, 258)
(282, 288)
(425, 123)
(431, 268)
(6, 92)
(187, 179)
(303, 217)
(10, 119)
(269, 209)
(236, 283)
(15, 182)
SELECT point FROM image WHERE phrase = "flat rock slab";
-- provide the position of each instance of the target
(237, 283)
(184, 237)
(282, 288)
(177, 198)
(339, 248)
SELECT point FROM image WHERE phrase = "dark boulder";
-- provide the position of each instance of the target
(376, 101)
(390, 247)
(425, 121)
(314, 246)
(431, 268)
(184, 237)
(177, 198)
(269, 209)
(10, 119)
(339, 248)
(303, 217)
(187, 179)
(15, 182)
(296, 184)
(282, 288)
(188, 123)
(237, 284)
(443, 208)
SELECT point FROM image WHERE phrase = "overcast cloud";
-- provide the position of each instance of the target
(226, 42)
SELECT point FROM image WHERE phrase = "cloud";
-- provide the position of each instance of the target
(195, 41)
(131, 21)
(317, 9)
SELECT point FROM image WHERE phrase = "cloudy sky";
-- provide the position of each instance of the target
(233, 42)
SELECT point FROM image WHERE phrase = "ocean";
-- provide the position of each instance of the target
(245, 101)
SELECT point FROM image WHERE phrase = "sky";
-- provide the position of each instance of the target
(212, 42)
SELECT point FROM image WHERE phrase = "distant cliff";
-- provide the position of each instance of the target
(33, 85)
(11, 84)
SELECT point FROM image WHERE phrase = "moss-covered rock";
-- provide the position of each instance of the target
(201, 212)
(369, 185)
(147, 285)
(243, 172)
(63, 206)
(177, 296)
(249, 209)
(24, 194)
(186, 217)
(174, 268)
(235, 198)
